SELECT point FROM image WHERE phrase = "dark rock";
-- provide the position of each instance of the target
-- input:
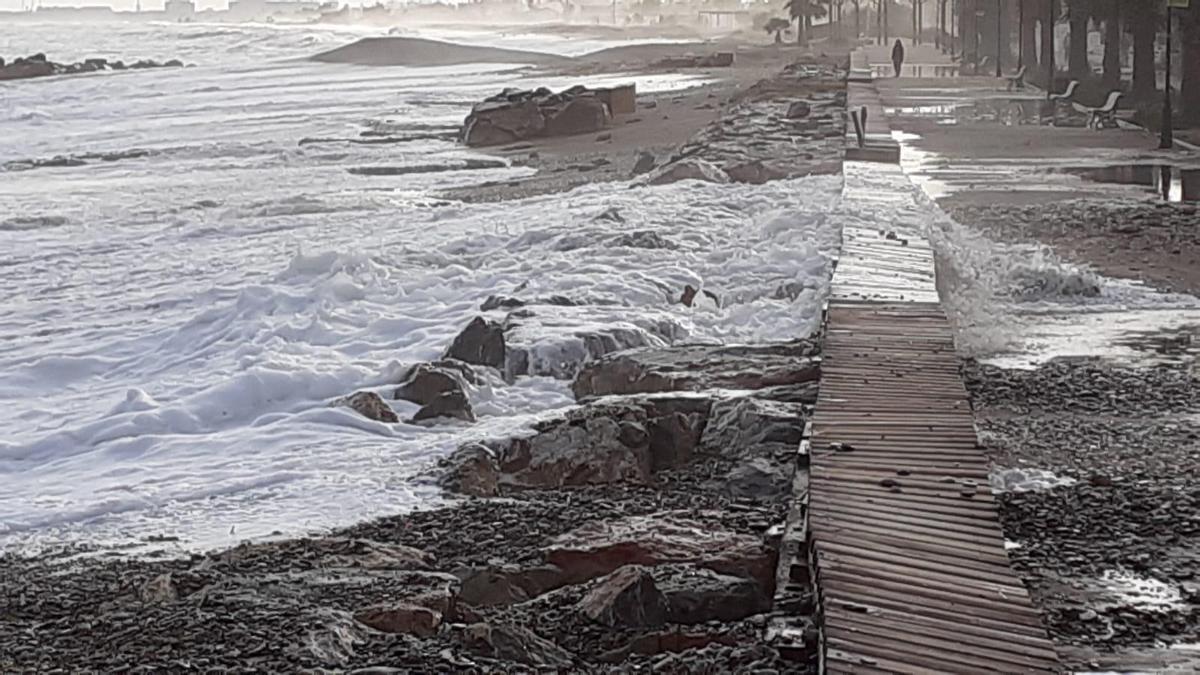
(448, 404)
(480, 343)
(497, 123)
(471, 470)
(755, 172)
(626, 598)
(600, 547)
(699, 367)
(645, 163)
(798, 110)
(583, 114)
(427, 382)
(401, 618)
(369, 405)
(697, 595)
(689, 295)
(512, 643)
(643, 239)
(758, 478)
(506, 584)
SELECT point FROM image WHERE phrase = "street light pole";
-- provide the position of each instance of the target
(1167, 138)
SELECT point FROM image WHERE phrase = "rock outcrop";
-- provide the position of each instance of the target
(37, 65)
(480, 343)
(626, 598)
(601, 547)
(369, 405)
(688, 169)
(626, 440)
(700, 367)
(516, 115)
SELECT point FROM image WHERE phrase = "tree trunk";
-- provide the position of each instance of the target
(857, 19)
(1112, 44)
(1029, 57)
(1145, 30)
(1078, 64)
(1189, 92)
(966, 30)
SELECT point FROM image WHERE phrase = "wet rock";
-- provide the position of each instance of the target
(746, 426)
(611, 215)
(612, 441)
(697, 595)
(506, 584)
(645, 163)
(583, 114)
(480, 343)
(759, 478)
(689, 295)
(699, 367)
(369, 405)
(451, 404)
(472, 470)
(689, 169)
(401, 618)
(798, 110)
(755, 172)
(426, 382)
(513, 643)
(643, 239)
(602, 546)
(626, 598)
(498, 123)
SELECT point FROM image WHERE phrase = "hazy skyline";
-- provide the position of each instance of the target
(119, 5)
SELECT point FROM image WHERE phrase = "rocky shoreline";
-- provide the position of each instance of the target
(37, 65)
(639, 530)
(1106, 546)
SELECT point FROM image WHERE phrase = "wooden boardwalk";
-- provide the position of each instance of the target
(906, 549)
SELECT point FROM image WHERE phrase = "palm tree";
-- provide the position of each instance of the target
(1079, 12)
(1143, 21)
(777, 26)
(1110, 10)
(803, 12)
(1189, 92)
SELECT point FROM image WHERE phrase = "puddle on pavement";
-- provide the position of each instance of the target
(921, 70)
(1170, 183)
(1010, 110)
(1145, 337)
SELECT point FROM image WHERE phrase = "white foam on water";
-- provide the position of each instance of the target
(178, 319)
(1023, 479)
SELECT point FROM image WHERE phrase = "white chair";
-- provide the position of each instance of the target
(1016, 80)
(1105, 115)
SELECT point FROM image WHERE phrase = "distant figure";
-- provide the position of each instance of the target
(898, 56)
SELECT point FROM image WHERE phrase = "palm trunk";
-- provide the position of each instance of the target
(1078, 64)
(1145, 30)
(1029, 56)
(1189, 92)
(1112, 44)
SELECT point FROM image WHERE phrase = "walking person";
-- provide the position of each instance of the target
(898, 56)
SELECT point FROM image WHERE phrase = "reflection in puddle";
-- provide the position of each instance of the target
(1172, 183)
(1127, 589)
(915, 70)
(1135, 337)
(1009, 110)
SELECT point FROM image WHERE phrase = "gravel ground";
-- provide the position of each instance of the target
(1112, 557)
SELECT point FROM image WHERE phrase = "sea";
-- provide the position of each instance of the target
(193, 268)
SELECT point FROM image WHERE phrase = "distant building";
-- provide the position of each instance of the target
(91, 12)
(271, 10)
(179, 10)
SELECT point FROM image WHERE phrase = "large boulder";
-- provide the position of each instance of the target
(401, 617)
(582, 114)
(755, 172)
(758, 478)
(689, 169)
(513, 643)
(506, 584)
(695, 594)
(426, 382)
(627, 598)
(472, 470)
(500, 122)
(480, 343)
(600, 547)
(625, 440)
(746, 426)
(451, 404)
(369, 405)
(700, 367)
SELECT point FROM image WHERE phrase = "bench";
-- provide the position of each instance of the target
(1106, 115)
(1065, 97)
(1016, 80)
